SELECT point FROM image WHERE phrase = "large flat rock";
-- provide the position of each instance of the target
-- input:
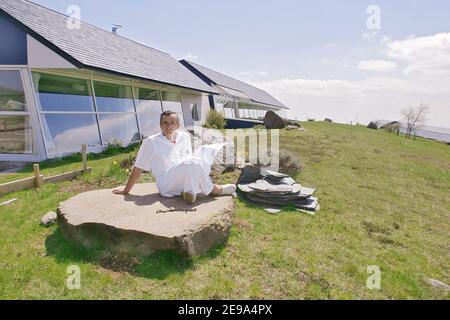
(144, 222)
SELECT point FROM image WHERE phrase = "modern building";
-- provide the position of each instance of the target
(64, 83)
(242, 104)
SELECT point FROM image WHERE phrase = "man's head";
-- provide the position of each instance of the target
(169, 122)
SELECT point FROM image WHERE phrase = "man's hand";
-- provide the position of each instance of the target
(134, 177)
(120, 192)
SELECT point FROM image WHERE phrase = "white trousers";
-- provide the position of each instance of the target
(190, 174)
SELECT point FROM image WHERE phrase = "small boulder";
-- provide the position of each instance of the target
(372, 125)
(274, 121)
(293, 123)
(292, 128)
(49, 219)
(438, 284)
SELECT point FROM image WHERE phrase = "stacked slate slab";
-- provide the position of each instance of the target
(273, 190)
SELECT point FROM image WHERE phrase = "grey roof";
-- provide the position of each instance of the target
(95, 48)
(255, 94)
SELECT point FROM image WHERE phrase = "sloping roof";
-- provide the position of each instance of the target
(210, 76)
(95, 48)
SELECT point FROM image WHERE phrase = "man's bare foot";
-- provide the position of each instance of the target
(227, 189)
(120, 192)
(189, 197)
(217, 191)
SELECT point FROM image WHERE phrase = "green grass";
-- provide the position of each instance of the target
(384, 202)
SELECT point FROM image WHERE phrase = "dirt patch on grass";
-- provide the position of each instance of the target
(77, 187)
(388, 241)
(372, 228)
(308, 279)
(242, 224)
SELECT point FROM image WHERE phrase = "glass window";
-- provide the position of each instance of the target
(194, 112)
(113, 97)
(119, 126)
(66, 133)
(16, 135)
(172, 101)
(12, 97)
(147, 100)
(149, 124)
(228, 113)
(58, 93)
(148, 106)
(219, 107)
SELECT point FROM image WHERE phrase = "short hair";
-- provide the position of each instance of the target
(168, 113)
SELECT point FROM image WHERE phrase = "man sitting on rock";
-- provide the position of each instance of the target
(168, 155)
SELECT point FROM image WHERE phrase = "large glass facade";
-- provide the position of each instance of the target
(121, 127)
(16, 134)
(113, 97)
(172, 101)
(12, 96)
(77, 111)
(56, 93)
(67, 113)
(65, 133)
(16, 131)
(117, 118)
(149, 108)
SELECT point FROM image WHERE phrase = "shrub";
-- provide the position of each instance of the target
(128, 162)
(289, 163)
(215, 120)
(114, 147)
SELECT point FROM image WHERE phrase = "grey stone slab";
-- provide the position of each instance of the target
(144, 222)
(267, 172)
(287, 181)
(265, 186)
(48, 219)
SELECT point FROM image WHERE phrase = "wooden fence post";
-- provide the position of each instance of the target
(37, 176)
(84, 157)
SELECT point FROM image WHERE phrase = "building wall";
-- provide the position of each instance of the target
(39, 56)
(187, 99)
(58, 129)
(13, 43)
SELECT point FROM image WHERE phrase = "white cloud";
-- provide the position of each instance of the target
(365, 100)
(325, 61)
(428, 55)
(261, 73)
(425, 62)
(377, 65)
(191, 57)
(339, 87)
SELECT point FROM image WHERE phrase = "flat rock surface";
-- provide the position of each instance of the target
(144, 222)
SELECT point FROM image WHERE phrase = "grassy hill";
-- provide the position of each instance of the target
(385, 202)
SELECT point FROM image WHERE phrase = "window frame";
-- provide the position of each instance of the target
(91, 78)
(39, 152)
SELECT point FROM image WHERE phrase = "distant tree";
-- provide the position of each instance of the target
(414, 118)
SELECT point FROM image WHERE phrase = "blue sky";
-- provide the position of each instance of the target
(318, 57)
